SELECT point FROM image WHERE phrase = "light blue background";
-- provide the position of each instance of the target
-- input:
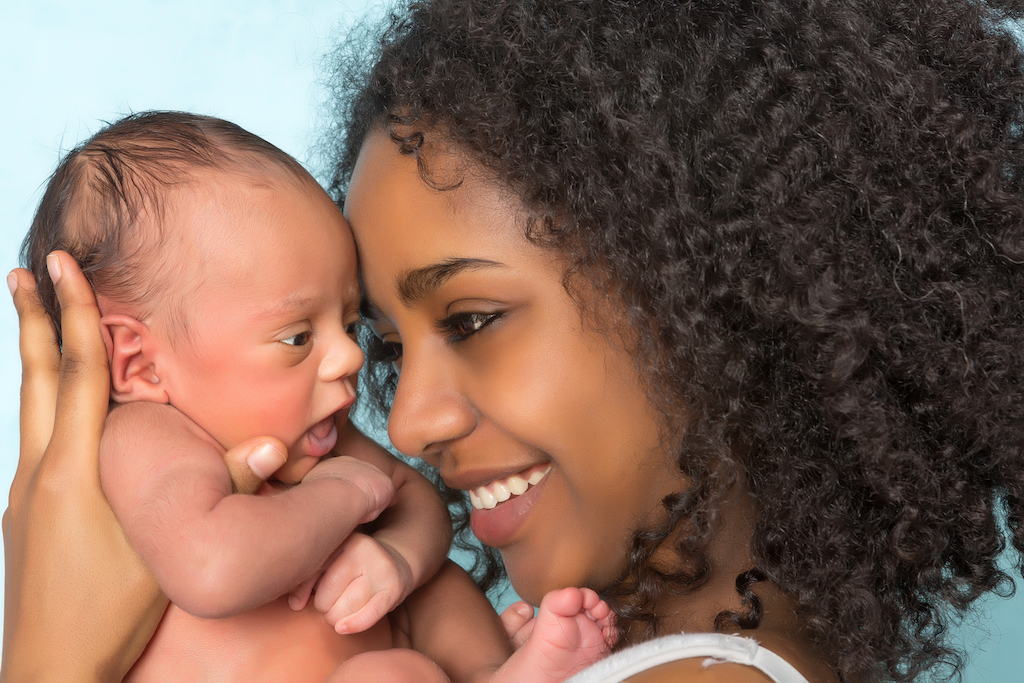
(67, 65)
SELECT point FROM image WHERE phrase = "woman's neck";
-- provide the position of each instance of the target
(728, 556)
(779, 629)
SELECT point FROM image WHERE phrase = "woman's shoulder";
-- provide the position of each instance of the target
(754, 657)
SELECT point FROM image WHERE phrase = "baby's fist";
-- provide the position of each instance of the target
(363, 583)
(376, 487)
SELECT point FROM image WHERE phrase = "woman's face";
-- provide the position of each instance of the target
(501, 385)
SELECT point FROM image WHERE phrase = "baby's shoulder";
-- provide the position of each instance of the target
(131, 426)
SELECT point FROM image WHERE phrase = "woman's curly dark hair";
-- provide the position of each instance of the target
(813, 216)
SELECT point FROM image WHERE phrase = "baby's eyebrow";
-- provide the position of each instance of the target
(292, 303)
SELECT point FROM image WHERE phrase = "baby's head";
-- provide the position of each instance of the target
(225, 276)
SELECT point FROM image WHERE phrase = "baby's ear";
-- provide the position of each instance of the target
(131, 350)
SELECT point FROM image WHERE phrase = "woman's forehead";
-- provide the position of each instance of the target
(391, 208)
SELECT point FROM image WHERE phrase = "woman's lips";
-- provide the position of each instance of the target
(322, 437)
(497, 525)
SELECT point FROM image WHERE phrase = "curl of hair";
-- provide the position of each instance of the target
(812, 213)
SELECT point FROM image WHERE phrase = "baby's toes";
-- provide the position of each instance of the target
(566, 602)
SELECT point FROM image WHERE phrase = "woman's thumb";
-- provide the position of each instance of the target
(252, 462)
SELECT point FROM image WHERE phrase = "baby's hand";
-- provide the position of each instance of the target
(376, 487)
(363, 582)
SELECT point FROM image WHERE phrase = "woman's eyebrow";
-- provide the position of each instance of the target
(416, 284)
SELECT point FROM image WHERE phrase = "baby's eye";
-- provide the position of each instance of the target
(300, 339)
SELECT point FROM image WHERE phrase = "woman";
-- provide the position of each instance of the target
(738, 284)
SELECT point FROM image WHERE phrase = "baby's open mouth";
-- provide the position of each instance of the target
(322, 437)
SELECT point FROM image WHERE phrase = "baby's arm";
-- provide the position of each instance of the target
(213, 552)
(406, 545)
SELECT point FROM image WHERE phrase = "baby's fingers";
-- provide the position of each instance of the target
(360, 607)
(299, 596)
(361, 585)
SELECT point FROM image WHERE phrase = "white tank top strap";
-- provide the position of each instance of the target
(713, 647)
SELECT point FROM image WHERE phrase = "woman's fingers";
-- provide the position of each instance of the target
(40, 360)
(252, 462)
(83, 393)
(68, 564)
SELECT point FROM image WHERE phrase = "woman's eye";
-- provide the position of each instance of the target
(384, 352)
(391, 352)
(462, 325)
(380, 351)
(300, 339)
(352, 330)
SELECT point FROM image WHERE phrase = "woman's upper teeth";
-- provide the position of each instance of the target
(498, 491)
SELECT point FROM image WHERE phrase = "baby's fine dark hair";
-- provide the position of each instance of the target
(812, 214)
(104, 202)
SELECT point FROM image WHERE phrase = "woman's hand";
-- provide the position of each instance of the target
(79, 603)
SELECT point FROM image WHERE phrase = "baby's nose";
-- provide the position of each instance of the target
(343, 360)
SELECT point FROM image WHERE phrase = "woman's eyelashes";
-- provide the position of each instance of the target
(456, 328)
(459, 326)
(389, 352)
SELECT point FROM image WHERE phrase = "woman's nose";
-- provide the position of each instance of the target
(428, 410)
(343, 359)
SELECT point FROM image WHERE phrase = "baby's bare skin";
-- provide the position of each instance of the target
(272, 643)
(216, 553)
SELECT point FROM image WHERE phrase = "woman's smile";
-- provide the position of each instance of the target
(501, 507)
(502, 384)
(488, 497)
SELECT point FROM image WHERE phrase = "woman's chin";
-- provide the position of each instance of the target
(532, 583)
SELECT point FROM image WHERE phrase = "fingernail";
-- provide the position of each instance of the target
(265, 460)
(53, 266)
(12, 282)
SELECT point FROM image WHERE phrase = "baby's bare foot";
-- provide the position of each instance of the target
(573, 629)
